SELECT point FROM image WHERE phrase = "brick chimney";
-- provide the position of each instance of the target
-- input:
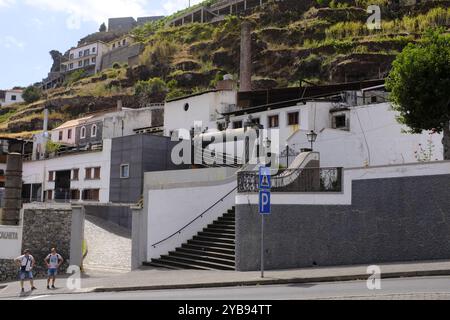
(246, 57)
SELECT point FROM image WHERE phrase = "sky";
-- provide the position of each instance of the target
(30, 29)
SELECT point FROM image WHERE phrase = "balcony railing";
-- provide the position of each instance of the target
(295, 180)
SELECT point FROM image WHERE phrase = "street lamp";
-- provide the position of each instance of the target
(312, 136)
(267, 143)
(287, 155)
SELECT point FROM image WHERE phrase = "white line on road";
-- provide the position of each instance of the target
(37, 297)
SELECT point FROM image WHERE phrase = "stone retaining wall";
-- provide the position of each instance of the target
(42, 230)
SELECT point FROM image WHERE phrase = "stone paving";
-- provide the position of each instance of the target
(109, 246)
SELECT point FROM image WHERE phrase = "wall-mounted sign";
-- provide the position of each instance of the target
(12, 235)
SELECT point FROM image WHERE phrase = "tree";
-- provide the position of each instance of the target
(419, 83)
(102, 27)
(32, 94)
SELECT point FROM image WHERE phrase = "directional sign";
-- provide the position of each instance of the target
(264, 202)
(265, 181)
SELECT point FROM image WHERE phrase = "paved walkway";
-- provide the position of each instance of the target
(157, 279)
(109, 246)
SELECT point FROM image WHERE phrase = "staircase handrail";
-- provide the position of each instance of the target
(198, 217)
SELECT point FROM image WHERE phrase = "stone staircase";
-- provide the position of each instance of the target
(211, 249)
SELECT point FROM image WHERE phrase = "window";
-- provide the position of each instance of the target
(87, 52)
(91, 195)
(75, 174)
(292, 118)
(80, 63)
(13, 98)
(87, 174)
(74, 194)
(71, 56)
(60, 136)
(80, 54)
(114, 46)
(339, 121)
(94, 131)
(71, 66)
(49, 194)
(97, 173)
(86, 62)
(124, 171)
(273, 121)
(83, 133)
(94, 60)
(93, 50)
(69, 134)
(51, 176)
(237, 124)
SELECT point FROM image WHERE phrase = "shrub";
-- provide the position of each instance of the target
(32, 94)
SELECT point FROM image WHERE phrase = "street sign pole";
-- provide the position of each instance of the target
(265, 185)
(262, 246)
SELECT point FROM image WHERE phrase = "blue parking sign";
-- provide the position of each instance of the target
(264, 202)
(265, 181)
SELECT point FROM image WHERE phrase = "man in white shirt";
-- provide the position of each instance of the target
(26, 263)
(53, 262)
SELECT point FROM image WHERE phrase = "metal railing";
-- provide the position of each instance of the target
(295, 180)
(195, 219)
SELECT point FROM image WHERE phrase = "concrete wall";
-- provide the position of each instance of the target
(123, 123)
(202, 107)
(120, 55)
(173, 199)
(375, 137)
(43, 229)
(120, 216)
(398, 213)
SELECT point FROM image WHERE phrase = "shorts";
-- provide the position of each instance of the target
(25, 274)
(52, 272)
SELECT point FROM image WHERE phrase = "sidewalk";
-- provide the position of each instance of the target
(158, 279)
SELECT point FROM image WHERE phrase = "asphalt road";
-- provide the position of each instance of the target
(403, 288)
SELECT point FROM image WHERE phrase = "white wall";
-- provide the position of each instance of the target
(375, 138)
(202, 107)
(10, 242)
(65, 139)
(9, 98)
(173, 199)
(132, 119)
(38, 171)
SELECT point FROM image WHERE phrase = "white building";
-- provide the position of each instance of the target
(186, 112)
(9, 97)
(66, 133)
(71, 177)
(361, 131)
(86, 56)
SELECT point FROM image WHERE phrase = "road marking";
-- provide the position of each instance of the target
(38, 297)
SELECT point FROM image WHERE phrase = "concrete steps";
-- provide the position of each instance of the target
(213, 248)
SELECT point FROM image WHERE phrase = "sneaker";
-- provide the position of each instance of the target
(48, 287)
(23, 290)
(33, 288)
(53, 287)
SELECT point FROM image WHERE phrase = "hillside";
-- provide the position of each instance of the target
(316, 40)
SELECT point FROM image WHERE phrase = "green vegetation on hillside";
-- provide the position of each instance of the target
(317, 40)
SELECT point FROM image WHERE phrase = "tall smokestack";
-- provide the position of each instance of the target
(45, 120)
(246, 57)
(13, 190)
